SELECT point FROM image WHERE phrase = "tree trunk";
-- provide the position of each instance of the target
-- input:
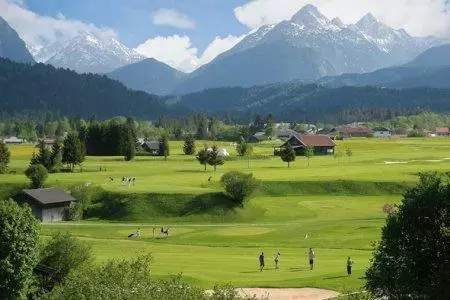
(205, 167)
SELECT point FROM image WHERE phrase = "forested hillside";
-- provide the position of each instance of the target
(44, 88)
(296, 102)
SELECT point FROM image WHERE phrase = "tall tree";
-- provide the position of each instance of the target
(4, 157)
(164, 148)
(349, 153)
(37, 174)
(189, 145)
(243, 148)
(202, 128)
(412, 260)
(309, 153)
(73, 151)
(56, 156)
(202, 156)
(287, 154)
(19, 238)
(44, 156)
(215, 158)
(270, 126)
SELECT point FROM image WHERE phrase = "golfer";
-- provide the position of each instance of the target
(349, 266)
(261, 261)
(277, 260)
(312, 256)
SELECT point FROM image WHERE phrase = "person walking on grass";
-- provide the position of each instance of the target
(277, 260)
(349, 266)
(261, 262)
(138, 233)
(312, 256)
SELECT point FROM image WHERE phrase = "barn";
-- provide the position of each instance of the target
(48, 205)
(322, 144)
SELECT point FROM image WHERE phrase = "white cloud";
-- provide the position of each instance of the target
(218, 46)
(176, 51)
(172, 18)
(418, 17)
(179, 53)
(38, 31)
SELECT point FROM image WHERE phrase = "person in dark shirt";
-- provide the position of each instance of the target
(261, 261)
(349, 266)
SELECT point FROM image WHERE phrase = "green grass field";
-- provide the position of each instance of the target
(338, 203)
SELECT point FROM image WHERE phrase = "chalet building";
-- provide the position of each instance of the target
(442, 131)
(13, 140)
(279, 134)
(381, 132)
(323, 144)
(347, 131)
(48, 205)
(152, 147)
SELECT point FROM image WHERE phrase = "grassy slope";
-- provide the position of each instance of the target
(337, 203)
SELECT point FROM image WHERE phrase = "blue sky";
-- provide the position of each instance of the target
(132, 19)
(186, 34)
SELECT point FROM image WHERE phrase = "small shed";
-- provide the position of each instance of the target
(322, 144)
(49, 204)
(381, 132)
(152, 147)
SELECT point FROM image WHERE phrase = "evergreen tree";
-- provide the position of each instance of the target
(4, 157)
(202, 128)
(309, 153)
(37, 174)
(164, 148)
(189, 145)
(270, 126)
(56, 156)
(288, 155)
(73, 151)
(214, 157)
(202, 156)
(44, 156)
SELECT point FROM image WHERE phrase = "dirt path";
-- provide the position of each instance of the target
(288, 293)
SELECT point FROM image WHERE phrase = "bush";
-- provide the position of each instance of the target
(413, 258)
(19, 236)
(37, 175)
(4, 158)
(64, 253)
(238, 186)
(75, 212)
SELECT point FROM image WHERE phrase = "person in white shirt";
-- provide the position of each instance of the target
(312, 256)
(277, 260)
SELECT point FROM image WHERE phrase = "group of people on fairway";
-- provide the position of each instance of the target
(311, 256)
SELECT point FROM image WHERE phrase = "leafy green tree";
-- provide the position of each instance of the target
(270, 126)
(189, 145)
(56, 156)
(37, 174)
(288, 155)
(309, 153)
(4, 157)
(238, 186)
(64, 253)
(214, 129)
(243, 148)
(214, 158)
(202, 128)
(202, 156)
(74, 151)
(338, 155)
(122, 279)
(164, 147)
(19, 237)
(348, 153)
(412, 260)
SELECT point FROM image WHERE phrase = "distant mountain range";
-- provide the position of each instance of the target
(429, 69)
(88, 53)
(11, 45)
(149, 75)
(277, 53)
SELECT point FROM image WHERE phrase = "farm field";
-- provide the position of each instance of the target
(337, 203)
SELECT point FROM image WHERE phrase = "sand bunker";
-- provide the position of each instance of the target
(288, 293)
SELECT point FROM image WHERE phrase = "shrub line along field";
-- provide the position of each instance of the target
(334, 206)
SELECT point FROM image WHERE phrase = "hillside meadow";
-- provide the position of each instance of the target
(334, 205)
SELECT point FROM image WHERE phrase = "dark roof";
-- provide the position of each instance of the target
(381, 129)
(49, 196)
(154, 145)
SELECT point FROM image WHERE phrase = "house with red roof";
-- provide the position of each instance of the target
(442, 131)
(322, 144)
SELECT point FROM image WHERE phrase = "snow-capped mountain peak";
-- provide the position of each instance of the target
(338, 22)
(88, 52)
(309, 16)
